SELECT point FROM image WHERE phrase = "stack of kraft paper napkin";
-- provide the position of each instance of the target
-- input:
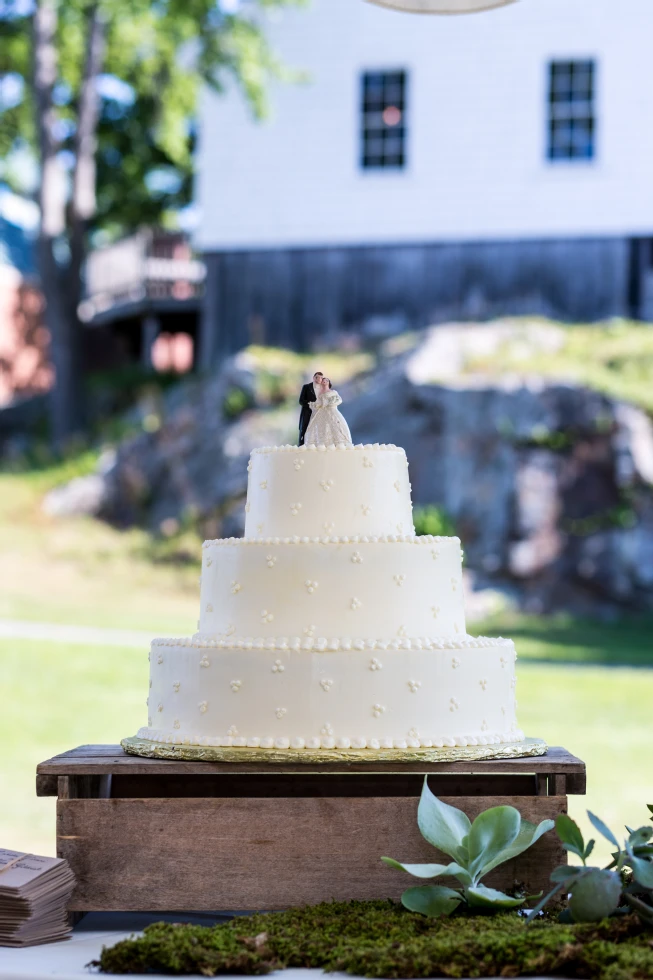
(34, 894)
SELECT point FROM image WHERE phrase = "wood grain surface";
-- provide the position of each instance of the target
(206, 854)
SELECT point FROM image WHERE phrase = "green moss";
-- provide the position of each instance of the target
(381, 939)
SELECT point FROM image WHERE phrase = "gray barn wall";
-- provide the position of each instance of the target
(298, 297)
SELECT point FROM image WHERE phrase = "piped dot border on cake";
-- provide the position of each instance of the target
(334, 644)
(422, 539)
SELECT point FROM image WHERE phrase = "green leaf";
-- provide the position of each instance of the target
(602, 829)
(650, 807)
(642, 869)
(492, 833)
(566, 873)
(429, 870)
(589, 849)
(443, 826)
(486, 898)
(572, 849)
(594, 895)
(570, 834)
(431, 900)
(640, 837)
(528, 834)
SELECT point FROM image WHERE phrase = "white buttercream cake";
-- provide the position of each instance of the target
(331, 624)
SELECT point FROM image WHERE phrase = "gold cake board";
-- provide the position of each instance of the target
(530, 747)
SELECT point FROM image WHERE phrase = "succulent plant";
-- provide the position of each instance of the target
(626, 885)
(496, 835)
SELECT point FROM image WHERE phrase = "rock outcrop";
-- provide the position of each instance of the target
(549, 485)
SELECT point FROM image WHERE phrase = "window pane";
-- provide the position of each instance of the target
(383, 113)
(571, 107)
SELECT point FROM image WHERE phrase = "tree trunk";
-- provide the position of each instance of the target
(64, 402)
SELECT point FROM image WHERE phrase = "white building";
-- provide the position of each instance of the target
(433, 167)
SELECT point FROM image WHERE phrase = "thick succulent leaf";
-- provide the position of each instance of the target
(566, 873)
(431, 900)
(589, 849)
(594, 895)
(528, 834)
(443, 826)
(428, 870)
(492, 833)
(598, 824)
(570, 834)
(639, 838)
(642, 870)
(486, 898)
(650, 807)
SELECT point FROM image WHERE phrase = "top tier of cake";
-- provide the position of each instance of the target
(317, 491)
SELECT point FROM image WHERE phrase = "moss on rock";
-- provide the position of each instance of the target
(381, 939)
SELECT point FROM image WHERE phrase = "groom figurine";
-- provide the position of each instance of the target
(308, 395)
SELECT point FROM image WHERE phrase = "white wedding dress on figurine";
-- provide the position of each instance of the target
(327, 426)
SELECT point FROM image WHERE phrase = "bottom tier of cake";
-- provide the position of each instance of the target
(349, 694)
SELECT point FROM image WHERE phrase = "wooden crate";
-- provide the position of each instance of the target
(153, 834)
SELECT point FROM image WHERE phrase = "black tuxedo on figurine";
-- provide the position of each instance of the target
(306, 399)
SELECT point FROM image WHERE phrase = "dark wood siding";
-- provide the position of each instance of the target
(301, 297)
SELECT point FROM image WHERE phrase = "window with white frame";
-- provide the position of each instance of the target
(572, 110)
(383, 120)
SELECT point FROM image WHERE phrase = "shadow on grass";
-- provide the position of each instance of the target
(565, 639)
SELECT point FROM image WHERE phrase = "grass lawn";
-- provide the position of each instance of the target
(58, 696)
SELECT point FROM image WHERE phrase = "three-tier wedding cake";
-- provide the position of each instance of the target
(330, 625)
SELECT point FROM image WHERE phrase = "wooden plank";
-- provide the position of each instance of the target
(46, 785)
(111, 758)
(264, 853)
(267, 785)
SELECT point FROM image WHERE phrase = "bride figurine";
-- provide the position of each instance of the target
(327, 426)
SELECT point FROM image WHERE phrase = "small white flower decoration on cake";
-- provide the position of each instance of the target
(399, 579)
(378, 710)
(270, 561)
(375, 664)
(484, 725)
(209, 562)
(159, 659)
(454, 704)
(435, 554)
(159, 707)
(236, 587)
(504, 710)
(436, 611)
(278, 667)
(367, 462)
(176, 685)
(295, 509)
(233, 732)
(414, 686)
(150, 683)
(483, 683)
(259, 529)
(203, 706)
(397, 486)
(413, 733)
(309, 631)
(249, 466)
(209, 606)
(356, 603)
(266, 617)
(326, 684)
(454, 584)
(176, 724)
(329, 527)
(236, 686)
(357, 558)
(326, 485)
(513, 682)
(503, 661)
(298, 463)
(205, 662)
(326, 729)
(263, 484)
(402, 631)
(311, 586)
(280, 712)
(455, 662)
(230, 630)
(248, 507)
(367, 510)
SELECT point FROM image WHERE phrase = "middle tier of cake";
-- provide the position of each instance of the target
(334, 587)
